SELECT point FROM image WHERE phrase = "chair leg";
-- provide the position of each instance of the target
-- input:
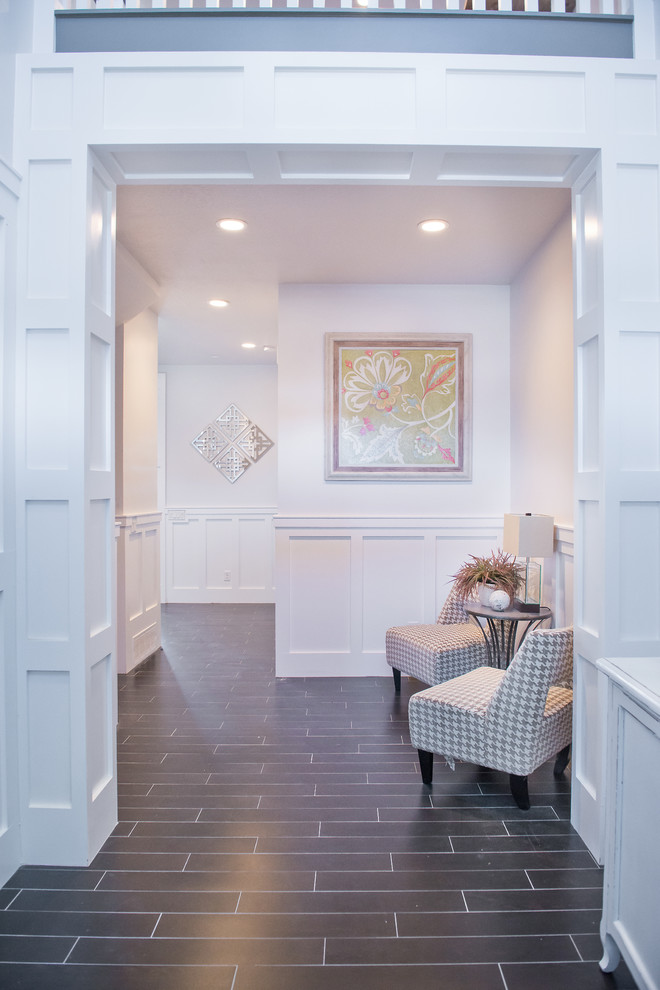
(396, 674)
(426, 766)
(519, 791)
(562, 760)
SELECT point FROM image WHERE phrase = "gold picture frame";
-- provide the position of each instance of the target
(398, 407)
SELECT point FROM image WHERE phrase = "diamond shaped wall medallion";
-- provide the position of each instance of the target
(232, 422)
(232, 443)
(231, 464)
(209, 443)
(254, 443)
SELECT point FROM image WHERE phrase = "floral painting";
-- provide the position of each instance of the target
(398, 408)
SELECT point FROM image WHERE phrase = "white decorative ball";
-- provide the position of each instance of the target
(499, 600)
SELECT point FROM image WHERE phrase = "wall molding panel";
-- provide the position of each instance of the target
(138, 589)
(341, 582)
(65, 562)
(219, 555)
(10, 808)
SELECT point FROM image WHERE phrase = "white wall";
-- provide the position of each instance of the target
(136, 470)
(308, 312)
(137, 415)
(542, 380)
(195, 397)
(542, 417)
(352, 557)
(218, 538)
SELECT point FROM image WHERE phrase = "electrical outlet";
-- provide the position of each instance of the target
(227, 575)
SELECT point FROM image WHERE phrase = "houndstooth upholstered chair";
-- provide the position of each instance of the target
(511, 720)
(439, 651)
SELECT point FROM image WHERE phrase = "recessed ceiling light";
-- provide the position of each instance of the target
(248, 347)
(433, 226)
(218, 303)
(269, 347)
(229, 223)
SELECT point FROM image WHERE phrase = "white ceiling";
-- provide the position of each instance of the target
(314, 234)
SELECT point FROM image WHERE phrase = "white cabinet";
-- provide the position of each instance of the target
(630, 925)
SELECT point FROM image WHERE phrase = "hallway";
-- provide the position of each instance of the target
(275, 835)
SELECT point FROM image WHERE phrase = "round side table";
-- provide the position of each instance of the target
(501, 629)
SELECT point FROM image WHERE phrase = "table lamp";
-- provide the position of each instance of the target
(529, 535)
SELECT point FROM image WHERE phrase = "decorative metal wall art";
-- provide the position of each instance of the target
(398, 408)
(232, 443)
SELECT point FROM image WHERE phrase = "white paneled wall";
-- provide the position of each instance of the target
(138, 591)
(617, 293)
(219, 555)
(125, 103)
(342, 582)
(65, 642)
(9, 746)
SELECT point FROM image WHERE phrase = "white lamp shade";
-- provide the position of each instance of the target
(528, 535)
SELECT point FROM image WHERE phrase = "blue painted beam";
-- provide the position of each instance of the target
(473, 32)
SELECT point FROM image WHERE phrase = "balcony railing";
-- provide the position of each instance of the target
(581, 28)
(594, 7)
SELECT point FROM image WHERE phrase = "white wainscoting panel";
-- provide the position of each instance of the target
(174, 96)
(393, 573)
(588, 720)
(219, 555)
(341, 582)
(319, 593)
(312, 96)
(10, 749)
(558, 576)
(138, 589)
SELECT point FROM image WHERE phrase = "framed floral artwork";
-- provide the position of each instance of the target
(398, 407)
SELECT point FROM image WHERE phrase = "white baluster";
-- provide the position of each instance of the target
(185, 3)
(295, 3)
(83, 4)
(427, 4)
(582, 6)
(399, 4)
(606, 7)
(454, 5)
(505, 5)
(133, 4)
(478, 4)
(531, 6)
(212, 3)
(158, 4)
(265, 3)
(558, 6)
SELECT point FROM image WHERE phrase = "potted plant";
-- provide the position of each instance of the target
(482, 575)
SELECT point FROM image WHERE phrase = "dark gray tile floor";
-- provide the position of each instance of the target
(275, 835)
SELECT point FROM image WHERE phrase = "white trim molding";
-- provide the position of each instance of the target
(219, 555)
(342, 581)
(138, 589)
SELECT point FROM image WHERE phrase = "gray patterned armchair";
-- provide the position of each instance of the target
(439, 651)
(511, 720)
